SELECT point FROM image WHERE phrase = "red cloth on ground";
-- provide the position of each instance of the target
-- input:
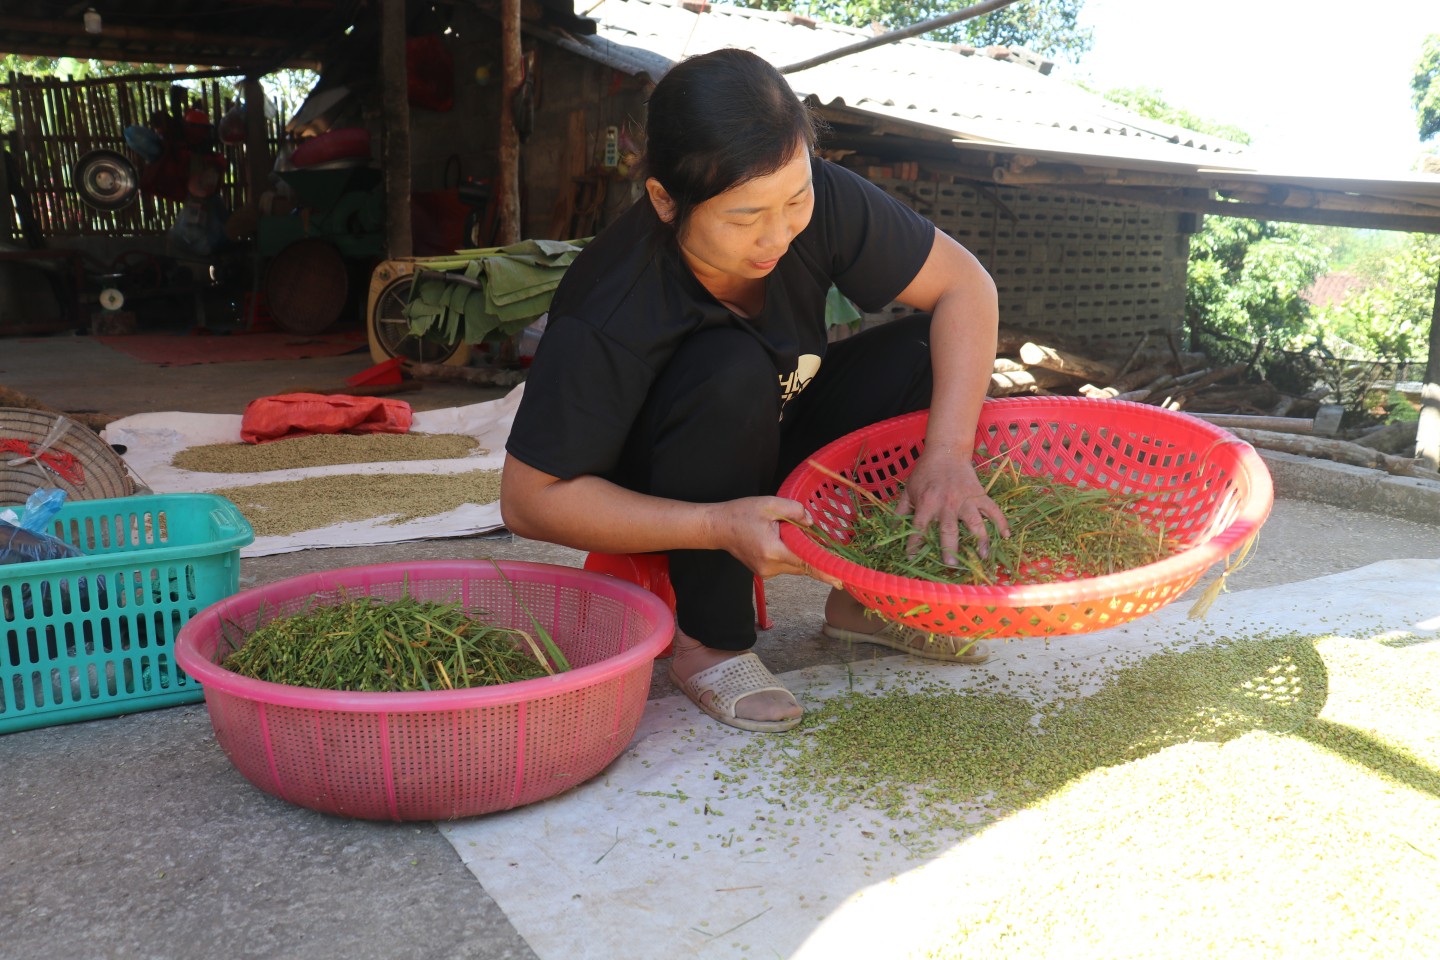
(306, 414)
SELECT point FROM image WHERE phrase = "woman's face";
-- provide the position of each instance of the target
(743, 232)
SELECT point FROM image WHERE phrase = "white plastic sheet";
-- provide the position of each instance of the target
(663, 856)
(152, 440)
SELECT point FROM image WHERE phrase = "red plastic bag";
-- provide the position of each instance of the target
(307, 414)
(429, 73)
(437, 222)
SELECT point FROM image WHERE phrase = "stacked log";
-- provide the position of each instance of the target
(1154, 371)
(1159, 373)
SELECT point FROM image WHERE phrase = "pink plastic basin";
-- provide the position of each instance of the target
(442, 754)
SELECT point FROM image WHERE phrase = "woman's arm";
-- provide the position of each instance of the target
(960, 296)
(589, 513)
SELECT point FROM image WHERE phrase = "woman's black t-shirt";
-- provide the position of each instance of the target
(626, 303)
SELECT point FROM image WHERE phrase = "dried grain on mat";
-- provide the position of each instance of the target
(325, 450)
(288, 507)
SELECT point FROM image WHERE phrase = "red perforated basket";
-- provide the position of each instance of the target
(1209, 490)
(441, 754)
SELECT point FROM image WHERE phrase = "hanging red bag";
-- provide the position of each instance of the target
(169, 176)
(306, 414)
(429, 73)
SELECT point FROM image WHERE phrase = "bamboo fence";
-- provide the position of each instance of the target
(59, 121)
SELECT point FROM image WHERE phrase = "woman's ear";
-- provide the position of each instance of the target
(660, 200)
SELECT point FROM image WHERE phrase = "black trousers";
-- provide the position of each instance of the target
(711, 431)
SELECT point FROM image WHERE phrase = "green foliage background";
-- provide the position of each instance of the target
(1426, 87)
(1390, 318)
(1246, 279)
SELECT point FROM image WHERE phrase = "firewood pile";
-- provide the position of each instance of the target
(1154, 370)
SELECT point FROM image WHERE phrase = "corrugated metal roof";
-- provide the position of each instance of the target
(979, 101)
(969, 95)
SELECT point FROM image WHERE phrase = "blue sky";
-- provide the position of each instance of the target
(1324, 83)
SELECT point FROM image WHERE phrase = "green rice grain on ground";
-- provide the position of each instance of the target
(1271, 796)
(288, 507)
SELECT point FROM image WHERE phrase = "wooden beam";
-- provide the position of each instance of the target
(162, 36)
(1427, 438)
(1016, 172)
(513, 71)
(1171, 200)
(88, 48)
(1306, 199)
(1275, 424)
(395, 142)
(158, 76)
(1341, 451)
(1329, 218)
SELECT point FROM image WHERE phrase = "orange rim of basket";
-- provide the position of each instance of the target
(1189, 562)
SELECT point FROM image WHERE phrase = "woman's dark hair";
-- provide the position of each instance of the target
(717, 120)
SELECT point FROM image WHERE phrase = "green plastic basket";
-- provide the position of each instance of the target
(93, 636)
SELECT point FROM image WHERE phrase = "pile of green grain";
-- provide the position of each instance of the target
(928, 754)
(368, 644)
(1057, 532)
(324, 450)
(291, 506)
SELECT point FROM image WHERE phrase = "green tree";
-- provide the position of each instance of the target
(1245, 278)
(1390, 319)
(1426, 87)
(1245, 281)
(1049, 27)
(1359, 250)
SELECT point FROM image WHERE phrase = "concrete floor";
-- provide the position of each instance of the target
(134, 837)
(78, 374)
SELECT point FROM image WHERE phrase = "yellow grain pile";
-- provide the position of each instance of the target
(325, 450)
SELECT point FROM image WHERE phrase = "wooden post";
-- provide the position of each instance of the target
(1427, 438)
(10, 143)
(257, 146)
(395, 148)
(513, 66)
(7, 209)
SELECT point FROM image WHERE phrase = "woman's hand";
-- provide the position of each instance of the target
(750, 530)
(944, 490)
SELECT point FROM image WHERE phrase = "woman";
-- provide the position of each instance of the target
(684, 371)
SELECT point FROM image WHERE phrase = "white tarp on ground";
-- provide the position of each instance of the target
(151, 441)
(661, 856)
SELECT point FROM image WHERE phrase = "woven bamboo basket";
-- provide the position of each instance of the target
(78, 462)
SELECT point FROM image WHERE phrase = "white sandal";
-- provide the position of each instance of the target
(729, 682)
(917, 643)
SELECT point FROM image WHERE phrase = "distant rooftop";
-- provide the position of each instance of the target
(981, 96)
(1334, 288)
(997, 116)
